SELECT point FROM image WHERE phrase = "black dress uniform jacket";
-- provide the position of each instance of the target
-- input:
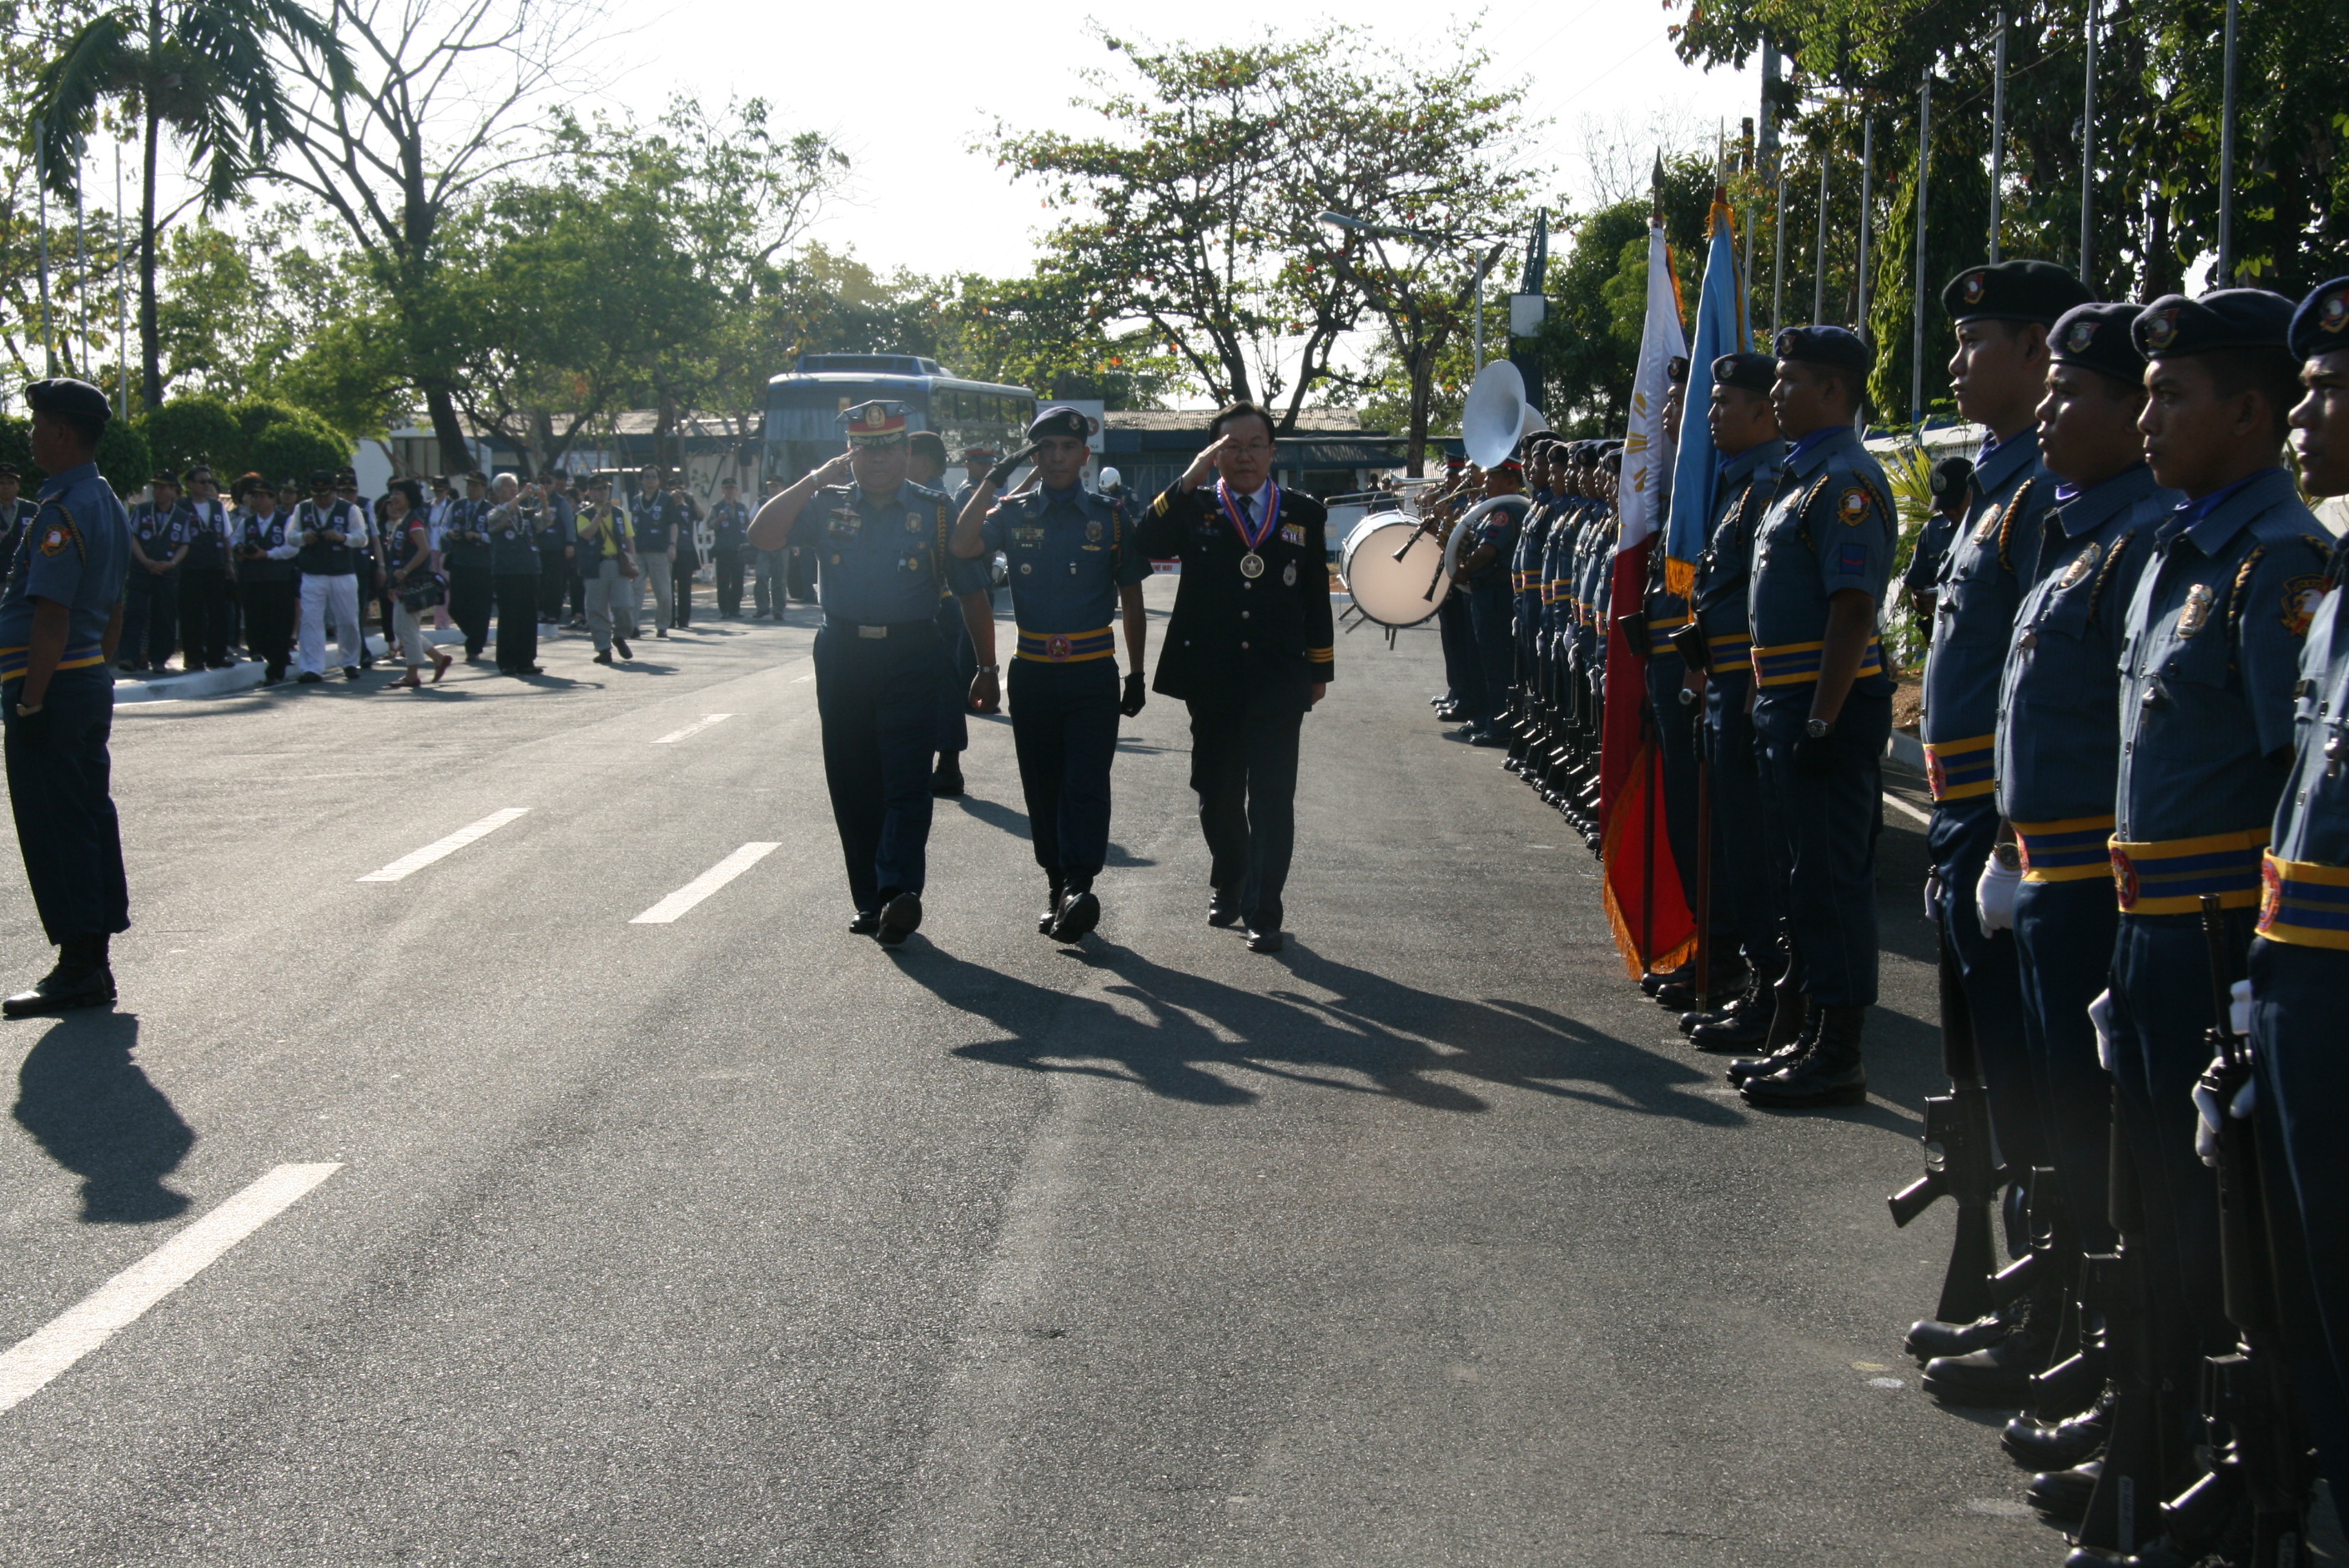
(1267, 634)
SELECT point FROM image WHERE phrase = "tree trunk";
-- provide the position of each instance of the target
(150, 332)
(456, 456)
(1423, 393)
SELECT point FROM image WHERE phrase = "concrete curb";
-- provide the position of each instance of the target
(237, 678)
(1906, 747)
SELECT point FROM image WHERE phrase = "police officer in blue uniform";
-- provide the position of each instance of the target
(1951, 483)
(1484, 582)
(2209, 665)
(1075, 561)
(1746, 878)
(925, 465)
(729, 522)
(16, 515)
(1823, 709)
(58, 622)
(882, 561)
(2299, 962)
(160, 532)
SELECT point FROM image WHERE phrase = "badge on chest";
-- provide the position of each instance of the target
(843, 522)
(1028, 536)
(2196, 614)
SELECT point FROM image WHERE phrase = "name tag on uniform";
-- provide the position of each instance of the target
(872, 631)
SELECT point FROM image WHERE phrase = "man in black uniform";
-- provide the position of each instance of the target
(925, 465)
(1250, 649)
(14, 514)
(730, 524)
(151, 603)
(465, 550)
(204, 603)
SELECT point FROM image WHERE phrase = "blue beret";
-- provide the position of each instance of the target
(2173, 325)
(1754, 372)
(1060, 421)
(2013, 291)
(1835, 346)
(61, 395)
(2097, 337)
(2320, 325)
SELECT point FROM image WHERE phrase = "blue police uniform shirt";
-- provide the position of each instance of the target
(2305, 897)
(76, 553)
(1932, 549)
(1525, 562)
(881, 563)
(1724, 573)
(2208, 671)
(1069, 551)
(1829, 529)
(1498, 528)
(2059, 739)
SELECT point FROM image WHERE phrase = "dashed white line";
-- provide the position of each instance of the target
(702, 886)
(797, 679)
(1923, 819)
(447, 846)
(34, 1361)
(695, 727)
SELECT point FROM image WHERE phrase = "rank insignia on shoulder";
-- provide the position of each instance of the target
(2302, 595)
(2195, 614)
(2081, 564)
(1854, 505)
(1293, 533)
(1852, 561)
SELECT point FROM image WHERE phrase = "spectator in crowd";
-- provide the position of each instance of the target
(730, 525)
(513, 569)
(769, 568)
(205, 601)
(160, 528)
(332, 534)
(608, 563)
(557, 549)
(688, 551)
(467, 557)
(265, 550)
(414, 588)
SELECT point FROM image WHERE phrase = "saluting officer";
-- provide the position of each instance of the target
(925, 465)
(882, 546)
(1075, 561)
(160, 530)
(2210, 664)
(58, 621)
(1250, 649)
(16, 516)
(1822, 709)
(2299, 962)
(1747, 880)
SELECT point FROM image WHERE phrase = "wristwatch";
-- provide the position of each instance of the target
(1819, 729)
(990, 669)
(2009, 855)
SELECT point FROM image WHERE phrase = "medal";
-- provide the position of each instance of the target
(1251, 565)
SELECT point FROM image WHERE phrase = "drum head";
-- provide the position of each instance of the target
(1394, 593)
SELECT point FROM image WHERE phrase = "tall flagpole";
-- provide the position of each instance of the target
(1924, 173)
(41, 184)
(2088, 158)
(1819, 253)
(81, 274)
(121, 291)
(2226, 159)
(1866, 201)
(1997, 129)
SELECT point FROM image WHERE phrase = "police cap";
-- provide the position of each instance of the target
(2174, 326)
(2013, 291)
(1837, 347)
(201, 471)
(63, 396)
(1754, 372)
(322, 478)
(1060, 421)
(1950, 477)
(10, 471)
(2320, 325)
(879, 423)
(166, 477)
(2097, 337)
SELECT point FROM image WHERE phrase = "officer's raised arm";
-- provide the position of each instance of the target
(772, 528)
(968, 541)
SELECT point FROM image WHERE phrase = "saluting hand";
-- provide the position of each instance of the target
(1204, 464)
(833, 471)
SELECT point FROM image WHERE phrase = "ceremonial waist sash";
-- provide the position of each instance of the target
(1730, 652)
(1660, 633)
(2074, 850)
(1797, 663)
(2170, 876)
(78, 656)
(2304, 903)
(1962, 769)
(1067, 647)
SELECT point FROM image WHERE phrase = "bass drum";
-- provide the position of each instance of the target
(1392, 592)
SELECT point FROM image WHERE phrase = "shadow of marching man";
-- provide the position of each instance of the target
(93, 1111)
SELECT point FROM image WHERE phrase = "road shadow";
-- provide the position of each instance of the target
(1184, 1036)
(995, 815)
(93, 1111)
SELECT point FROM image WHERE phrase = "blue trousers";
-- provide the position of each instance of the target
(2303, 1079)
(1959, 841)
(2161, 1005)
(1064, 728)
(1463, 670)
(1749, 876)
(954, 685)
(59, 781)
(1829, 825)
(1493, 619)
(877, 700)
(2063, 948)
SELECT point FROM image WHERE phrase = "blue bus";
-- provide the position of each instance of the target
(804, 407)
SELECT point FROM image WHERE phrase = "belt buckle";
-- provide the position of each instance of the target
(1057, 648)
(876, 632)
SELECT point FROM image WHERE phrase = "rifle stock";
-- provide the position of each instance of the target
(1958, 1162)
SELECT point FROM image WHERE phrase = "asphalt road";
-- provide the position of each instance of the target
(739, 1240)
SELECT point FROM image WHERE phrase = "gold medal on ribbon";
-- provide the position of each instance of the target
(1251, 565)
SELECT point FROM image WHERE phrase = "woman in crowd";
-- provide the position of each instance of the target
(413, 589)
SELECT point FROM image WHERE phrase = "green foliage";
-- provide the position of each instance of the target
(196, 428)
(1910, 469)
(291, 448)
(1039, 332)
(17, 446)
(124, 459)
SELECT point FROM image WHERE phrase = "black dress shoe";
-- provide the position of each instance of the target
(661, 632)
(309, 677)
(1266, 941)
(1931, 1338)
(604, 657)
(1223, 910)
(350, 672)
(866, 923)
(1726, 982)
(900, 918)
(1655, 980)
(1079, 915)
(63, 989)
(621, 642)
(946, 781)
(2063, 1495)
(1045, 921)
(2059, 1445)
(472, 656)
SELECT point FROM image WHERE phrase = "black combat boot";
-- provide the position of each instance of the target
(2059, 1445)
(1051, 908)
(1726, 980)
(1931, 1338)
(1740, 1026)
(81, 978)
(1998, 1377)
(1080, 911)
(2063, 1495)
(1794, 1030)
(1831, 1073)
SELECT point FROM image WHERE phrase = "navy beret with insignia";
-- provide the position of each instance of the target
(2013, 291)
(1676, 370)
(2173, 325)
(2097, 337)
(63, 394)
(1837, 347)
(1060, 421)
(1754, 372)
(2320, 325)
(1950, 477)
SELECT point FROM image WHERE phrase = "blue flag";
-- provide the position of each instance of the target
(1720, 329)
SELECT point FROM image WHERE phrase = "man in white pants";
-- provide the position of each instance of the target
(331, 532)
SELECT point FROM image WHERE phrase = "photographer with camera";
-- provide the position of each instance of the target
(413, 587)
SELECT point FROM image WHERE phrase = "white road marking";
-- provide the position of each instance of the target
(447, 846)
(796, 679)
(708, 882)
(1923, 819)
(34, 1361)
(695, 727)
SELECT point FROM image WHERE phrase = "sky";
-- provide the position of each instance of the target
(907, 89)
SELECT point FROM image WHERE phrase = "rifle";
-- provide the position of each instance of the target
(2259, 1445)
(2140, 1454)
(1958, 1157)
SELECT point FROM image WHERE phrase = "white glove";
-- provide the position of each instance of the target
(1933, 894)
(2239, 1006)
(2206, 1105)
(1994, 897)
(2100, 1015)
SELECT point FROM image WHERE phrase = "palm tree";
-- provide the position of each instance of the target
(200, 69)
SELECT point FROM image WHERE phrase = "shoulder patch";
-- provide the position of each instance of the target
(2301, 597)
(58, 533)
(1852, 506)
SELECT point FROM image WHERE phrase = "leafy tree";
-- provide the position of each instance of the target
(293, 449)
(124, 461)
(1039, 332)
(203, 70)
(200, 427)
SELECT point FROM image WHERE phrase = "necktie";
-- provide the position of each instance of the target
(1248, 511)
